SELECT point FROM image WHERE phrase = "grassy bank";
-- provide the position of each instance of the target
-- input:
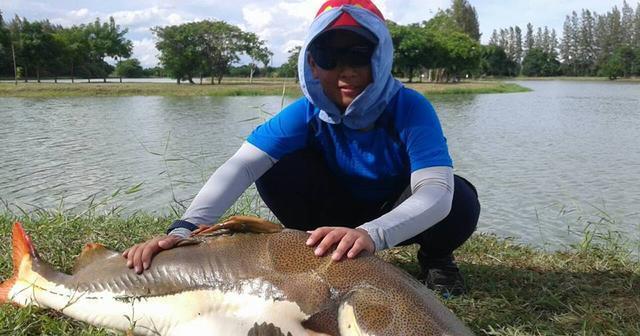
(580, 79)
(228, 88)
(513, 289)
(479, 87)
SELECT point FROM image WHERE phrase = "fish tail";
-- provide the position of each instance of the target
(23, 252)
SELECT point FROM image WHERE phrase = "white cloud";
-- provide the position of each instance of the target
(175, 19)
(303, 11)
(256, 18)
(80, 13)
(154, 15)
(290, 45)
(145, 51)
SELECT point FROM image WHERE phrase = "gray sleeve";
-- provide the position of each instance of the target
(227, 183)
(428, 204)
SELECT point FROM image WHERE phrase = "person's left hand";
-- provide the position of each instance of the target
(350, 241)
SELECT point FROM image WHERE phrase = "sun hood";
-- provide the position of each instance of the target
(368, 106)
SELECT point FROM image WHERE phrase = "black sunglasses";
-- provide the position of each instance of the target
(328, 58)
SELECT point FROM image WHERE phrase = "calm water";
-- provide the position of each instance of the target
(545, 162)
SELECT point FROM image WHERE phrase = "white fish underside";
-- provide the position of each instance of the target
(196, 312)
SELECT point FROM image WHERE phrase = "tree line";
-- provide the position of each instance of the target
(442, 49)
(592, 44)
(41, 48)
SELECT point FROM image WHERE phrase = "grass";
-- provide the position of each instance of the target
(589, 289)
(578, 78)
(230, 87)
(475, 87)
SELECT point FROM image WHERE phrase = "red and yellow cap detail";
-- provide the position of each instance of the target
(345, 19)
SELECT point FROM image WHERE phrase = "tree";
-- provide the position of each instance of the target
(494, 40)
(586, 44)
(495, 62)
(518, 45)
(442, 23)
(636, 29)
(257, 51)
(129, 68)
(106, 40)
(207, 47)
(466, 18)
(290, 68)
(568, 47)
(180, 54)
(222, 45)
(5, 47)
(38, 47)
(615, 27)
(626, 24)
(73, 48)
(612, 68)
(539, 63)
(528, 40)
(462, 55)
(510, 42)
(415, 47)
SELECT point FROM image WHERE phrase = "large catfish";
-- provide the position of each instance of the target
(263, 281)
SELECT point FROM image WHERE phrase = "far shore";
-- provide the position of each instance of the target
(229, 87)
(576, 79)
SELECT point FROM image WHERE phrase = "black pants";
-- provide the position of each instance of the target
(302, 192)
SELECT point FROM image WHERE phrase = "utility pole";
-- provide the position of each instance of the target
(15, 68)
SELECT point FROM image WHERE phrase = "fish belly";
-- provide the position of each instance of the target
(191, 312)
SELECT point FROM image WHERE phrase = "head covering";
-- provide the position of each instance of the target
(347, 22)
(369, 105)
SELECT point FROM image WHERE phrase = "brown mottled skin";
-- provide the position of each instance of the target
(386, 300)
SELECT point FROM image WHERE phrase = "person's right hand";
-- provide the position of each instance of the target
(139, 256)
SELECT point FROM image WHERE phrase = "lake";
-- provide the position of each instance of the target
(546, 163)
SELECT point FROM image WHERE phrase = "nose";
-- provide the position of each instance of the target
(346, 71)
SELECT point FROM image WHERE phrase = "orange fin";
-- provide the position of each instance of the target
(22, 247)
(91, 253)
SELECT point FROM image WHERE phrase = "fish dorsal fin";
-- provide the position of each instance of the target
(91, 253)
(240, 224)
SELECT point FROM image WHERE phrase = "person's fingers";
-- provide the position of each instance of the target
(317, 234)
(130, 253)
(150, 250)
(358, 246)
(329, 240)
(137, 257)
(168, 242)
(344, 245)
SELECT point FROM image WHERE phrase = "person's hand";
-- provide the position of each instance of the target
(139, 256)
(350, 241)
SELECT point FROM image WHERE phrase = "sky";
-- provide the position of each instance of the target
(283, 23)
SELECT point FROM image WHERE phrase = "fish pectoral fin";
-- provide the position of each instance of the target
(91, 253)
(365, 311)
(240, 224)
(323, 322)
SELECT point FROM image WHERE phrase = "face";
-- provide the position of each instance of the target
(343, 83)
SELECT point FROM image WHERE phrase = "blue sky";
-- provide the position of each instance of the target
(282, 23)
